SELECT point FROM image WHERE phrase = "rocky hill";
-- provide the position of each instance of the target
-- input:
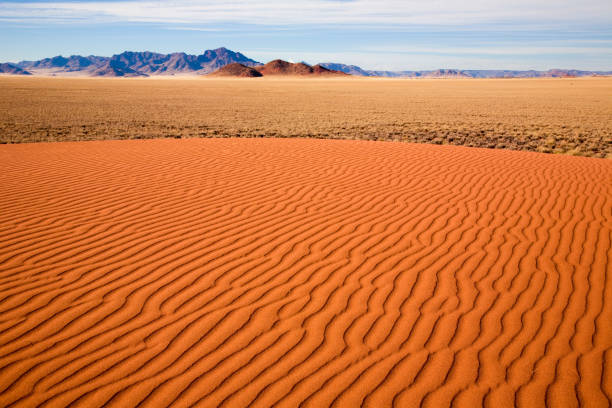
(284, 68)
(236, 70)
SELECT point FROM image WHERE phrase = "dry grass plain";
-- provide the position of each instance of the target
(313, 273)
(571, 116)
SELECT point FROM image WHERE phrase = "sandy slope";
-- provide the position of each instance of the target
(228, 272)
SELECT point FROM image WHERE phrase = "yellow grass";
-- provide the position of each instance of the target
(571, 116)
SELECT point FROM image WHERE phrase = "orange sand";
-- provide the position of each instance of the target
(315, 273)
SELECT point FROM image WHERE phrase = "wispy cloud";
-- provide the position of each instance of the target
(381, 34)
(281, 12)
(184, 28)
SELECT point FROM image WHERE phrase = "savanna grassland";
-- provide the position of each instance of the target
(569, 116)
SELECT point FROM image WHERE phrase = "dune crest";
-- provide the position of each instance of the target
(268, 272)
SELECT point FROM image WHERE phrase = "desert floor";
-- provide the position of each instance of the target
(303, 272)
(565, 116)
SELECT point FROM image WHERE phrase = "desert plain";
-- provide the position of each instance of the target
(235, 256)
(567, 116)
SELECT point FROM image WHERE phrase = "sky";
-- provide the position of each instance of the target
(373, 34)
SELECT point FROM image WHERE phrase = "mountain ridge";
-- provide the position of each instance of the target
(464, 73)
(12, 69)
(138, 63)
(148, 63)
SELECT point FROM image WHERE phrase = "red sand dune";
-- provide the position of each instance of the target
(309, 273)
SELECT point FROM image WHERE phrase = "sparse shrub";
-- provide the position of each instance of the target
(439, 112)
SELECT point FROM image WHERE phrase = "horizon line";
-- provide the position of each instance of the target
(323, 62)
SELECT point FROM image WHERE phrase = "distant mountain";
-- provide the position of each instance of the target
(145, 63)
(447, 73)
(12, 69)
(236, 70)
(114, 68)
(179, 63)
(453, 73)
(321, 70)
(212, 60)
(347, 69)
(552, 73)
(70, 64)
(280, 67)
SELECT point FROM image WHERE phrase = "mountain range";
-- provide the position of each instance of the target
(142, 64)
(470, 73)
(131, 64)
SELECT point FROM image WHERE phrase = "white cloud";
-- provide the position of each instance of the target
(281, 12)
(377, 34)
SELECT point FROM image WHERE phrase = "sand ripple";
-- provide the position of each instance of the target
(235, 272)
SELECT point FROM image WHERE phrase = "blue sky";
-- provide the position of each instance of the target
(383, 34)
